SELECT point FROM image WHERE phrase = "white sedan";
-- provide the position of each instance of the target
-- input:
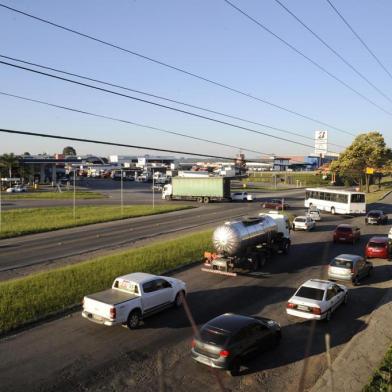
(317, 299)
(241, 196)
(303, 223)
(16, 189)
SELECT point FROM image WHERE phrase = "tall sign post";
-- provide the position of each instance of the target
(321, 143)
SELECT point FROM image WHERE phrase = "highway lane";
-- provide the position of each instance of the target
(75, 354)
(39, 248)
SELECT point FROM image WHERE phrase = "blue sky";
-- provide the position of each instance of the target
(205, 37)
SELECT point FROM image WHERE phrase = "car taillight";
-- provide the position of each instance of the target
(290, 305)
(224, 353)
(112, 313)
(350, 234)
(193, 344)
(316, 311)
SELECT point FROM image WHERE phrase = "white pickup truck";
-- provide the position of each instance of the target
(132, 298)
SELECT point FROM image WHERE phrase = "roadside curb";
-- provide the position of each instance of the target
(57, 314)
(355, 365)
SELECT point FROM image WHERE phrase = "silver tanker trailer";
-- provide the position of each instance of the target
(246, 244)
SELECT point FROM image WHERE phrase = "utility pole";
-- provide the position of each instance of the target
(121, 196)
(74, 194)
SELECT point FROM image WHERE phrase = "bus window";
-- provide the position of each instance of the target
(357, 198)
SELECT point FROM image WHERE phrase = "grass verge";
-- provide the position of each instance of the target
(64, 195)
(31, 298)
(373, 197)
(23, 221)
(382, 378)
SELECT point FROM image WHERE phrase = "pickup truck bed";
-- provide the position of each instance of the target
(112, 296)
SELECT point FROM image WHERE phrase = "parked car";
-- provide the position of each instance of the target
(314, 213)
(132, 298)
(349, 267)
(241, 196)
(303, 223)
(17, 189)
(275, 204)
(346, 233)
(225, 341)
(317, 299)
(378, 247)
(376, 217)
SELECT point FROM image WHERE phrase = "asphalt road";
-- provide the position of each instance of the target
(74, 354)
(44, 247)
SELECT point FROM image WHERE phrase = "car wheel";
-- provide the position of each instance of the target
(179, 299)
(133, 320)
(200, 200)
(356, 281)
(333, 210)
(329, 315)
(235, 368)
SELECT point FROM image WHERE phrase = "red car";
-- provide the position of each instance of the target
(346, 233)
(377, 247)
(275, 204)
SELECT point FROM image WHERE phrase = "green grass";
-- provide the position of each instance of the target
(64, 195)
(375, 196)
(30, 298)
(23, 221)
(382, 378)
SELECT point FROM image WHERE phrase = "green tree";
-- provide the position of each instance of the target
(69, 151)
(9, 162)
(367, 150)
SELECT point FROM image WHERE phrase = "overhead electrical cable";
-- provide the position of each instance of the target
(155, 104)
(163, 98)
(131, 123)
(360, 39)
(95, 141)
(337, 54)
(175, 68)
(303, 55)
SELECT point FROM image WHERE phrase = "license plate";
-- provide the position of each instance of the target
(204, 360)
(301, 307)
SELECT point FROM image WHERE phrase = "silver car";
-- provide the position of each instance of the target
(349, 267)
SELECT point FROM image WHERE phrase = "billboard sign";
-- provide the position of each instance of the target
(321, 142)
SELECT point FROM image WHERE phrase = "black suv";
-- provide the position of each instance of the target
(228, 339)
(376, 217)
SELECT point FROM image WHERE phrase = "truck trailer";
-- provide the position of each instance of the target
(247, 244)
(200, 189)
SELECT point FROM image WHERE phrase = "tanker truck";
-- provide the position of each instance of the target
(245, 245)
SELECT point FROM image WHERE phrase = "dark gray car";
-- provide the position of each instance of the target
(349, 267)
(225, 341)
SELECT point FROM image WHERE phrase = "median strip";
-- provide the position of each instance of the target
(21, 221)
(32, 298)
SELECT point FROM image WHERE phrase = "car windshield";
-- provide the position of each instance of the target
(344, 229)
(374, 214)
(310, 293)
(377, 244)
(300, 219)
(213, 337)
(342, 263)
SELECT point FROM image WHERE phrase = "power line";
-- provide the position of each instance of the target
(95, 141)
(303, 55)
(163, 98)
(130, 122)
(337, 54)
(360, 39)
(156, 104)
(172, 67)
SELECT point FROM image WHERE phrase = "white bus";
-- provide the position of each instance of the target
(336, 201)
